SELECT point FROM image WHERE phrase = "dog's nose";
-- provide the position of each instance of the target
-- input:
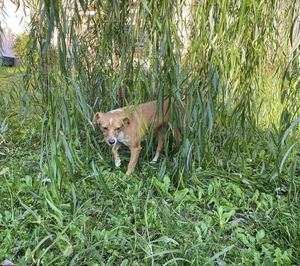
(111, 141)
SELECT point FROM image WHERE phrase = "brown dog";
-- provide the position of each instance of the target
(129, 125)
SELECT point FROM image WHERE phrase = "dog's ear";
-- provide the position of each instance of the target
(126, 121)
(96, 118)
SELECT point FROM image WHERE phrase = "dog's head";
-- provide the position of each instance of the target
(111, 124)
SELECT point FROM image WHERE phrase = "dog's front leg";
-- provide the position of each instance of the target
(116, 154)
(135, 151)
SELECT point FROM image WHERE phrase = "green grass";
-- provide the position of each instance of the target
(229, 195)
(228, 212)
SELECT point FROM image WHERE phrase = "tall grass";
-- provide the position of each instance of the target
(234, 55)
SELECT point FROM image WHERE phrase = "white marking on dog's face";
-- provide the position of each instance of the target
(116, 110)
(110, 121)
(122, 139)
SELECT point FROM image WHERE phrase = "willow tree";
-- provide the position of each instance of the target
(226, 59)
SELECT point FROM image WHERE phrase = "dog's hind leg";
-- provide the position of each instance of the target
(160, 144)
(177, 136)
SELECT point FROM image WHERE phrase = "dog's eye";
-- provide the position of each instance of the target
(104, 128)
(117, 129)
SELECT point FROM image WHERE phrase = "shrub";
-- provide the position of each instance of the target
(20, 44)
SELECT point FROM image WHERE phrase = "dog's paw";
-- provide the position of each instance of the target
(118, 163)
(155, 158)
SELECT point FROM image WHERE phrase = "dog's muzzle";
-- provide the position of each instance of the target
(111, 141)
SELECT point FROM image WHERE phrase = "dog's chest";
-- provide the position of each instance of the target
(122, 139)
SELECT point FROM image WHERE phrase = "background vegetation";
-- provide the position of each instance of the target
(228, 195)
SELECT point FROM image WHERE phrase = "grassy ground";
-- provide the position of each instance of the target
(228, 213)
